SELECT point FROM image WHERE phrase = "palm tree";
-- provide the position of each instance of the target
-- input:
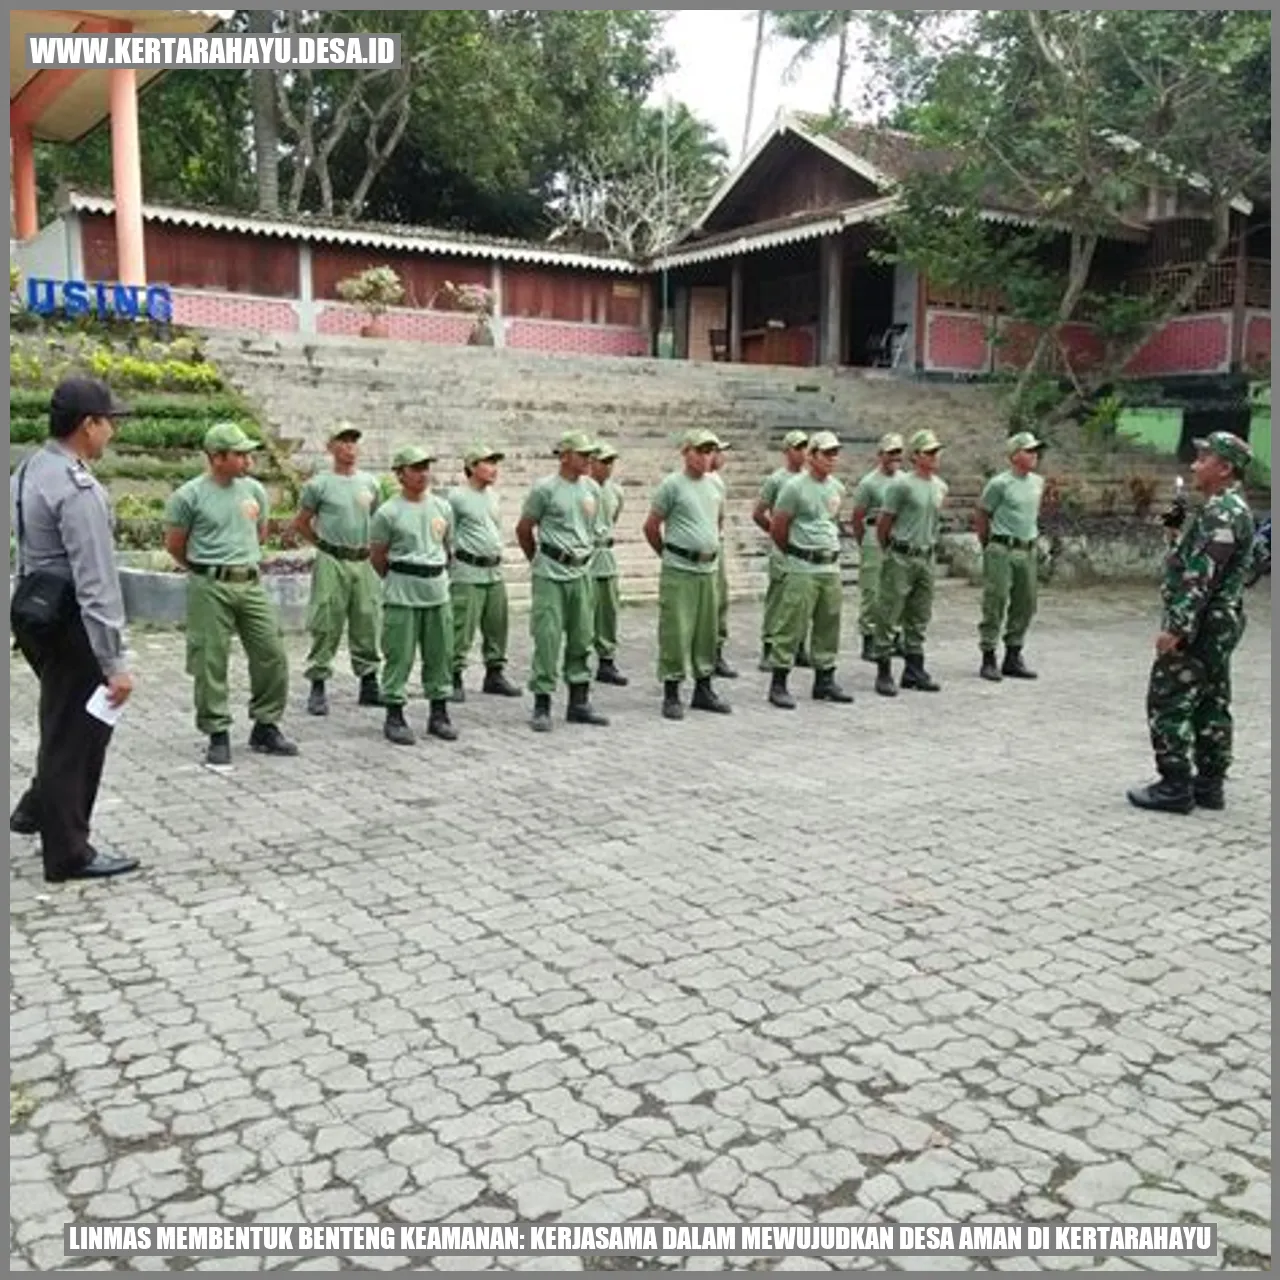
(266, 128)
(814, 28)
(751, 86)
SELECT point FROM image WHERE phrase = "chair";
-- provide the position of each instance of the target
(883, 352)
(719, 339)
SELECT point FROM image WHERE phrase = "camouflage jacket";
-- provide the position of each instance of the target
(1205, 571)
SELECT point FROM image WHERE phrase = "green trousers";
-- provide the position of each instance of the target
(687, 614)
(810, 607)
(722, 600)
(905, 602)
(479, 606)
(772, 598)
(408, 633)
(215, 612)
(870, 561)
(345, 594)
(1008, 595)
(561, 620)
(608, 601)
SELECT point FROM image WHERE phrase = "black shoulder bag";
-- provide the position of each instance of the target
(42, 603)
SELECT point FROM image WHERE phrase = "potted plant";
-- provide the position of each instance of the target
(476, 300)
(373, 290)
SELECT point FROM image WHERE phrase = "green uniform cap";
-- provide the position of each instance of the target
(1022, 440)
(925, 442)
(229, 437)
(822, 441)
(1230, 448)
(575, 442)
(700, 437)
(605, 452)
(795, 440)
(344, 431)
(890, 443)
(481, 453)
(410, 455)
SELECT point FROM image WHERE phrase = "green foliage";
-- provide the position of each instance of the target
(126, 371)
(375, 289)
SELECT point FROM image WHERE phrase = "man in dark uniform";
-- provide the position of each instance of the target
(63, 523)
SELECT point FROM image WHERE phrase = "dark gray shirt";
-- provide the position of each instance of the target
(67, 531)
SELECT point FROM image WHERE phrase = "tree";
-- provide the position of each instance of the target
(814, 29)
(756, 50)
(266, 127)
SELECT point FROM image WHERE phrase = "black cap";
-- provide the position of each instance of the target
(86, 398)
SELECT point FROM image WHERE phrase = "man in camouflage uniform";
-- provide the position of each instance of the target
(1189, 695)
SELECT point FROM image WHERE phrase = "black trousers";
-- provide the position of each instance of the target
(73, 748)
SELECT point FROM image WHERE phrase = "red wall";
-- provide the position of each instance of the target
(1257, 340)
(1189, 344)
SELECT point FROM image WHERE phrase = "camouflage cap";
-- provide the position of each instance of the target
(891, 442)
(229, 437)
(796, 440)
(574, 442)
(823, 442)
(605, 452)
(410, 455)
(1022, 440)
(481, 453)
(925, 442)
(1230, 448)
(701, 438)
(344, 431)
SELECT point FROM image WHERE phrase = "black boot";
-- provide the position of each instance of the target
(25, 818)
(219, 753)
(899, 648)
(802, 657)
(459, 693)
(722, 667)
(541, 721)
(580, 709)
(269, 741)
(868, 648)
(764, 664)
(396, 730)
(989, 670)
(705, 698)
(317, 700)
(1208, 792)
(607, 673)
(370, 694)
(1014, 666)
(672, 707)
(496, 682)
(1168, 794)
(825, 688)
(885, 685)
(779, 696)
(914, 676)
(438, 723)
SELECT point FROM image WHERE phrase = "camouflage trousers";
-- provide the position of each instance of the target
(1189, 704)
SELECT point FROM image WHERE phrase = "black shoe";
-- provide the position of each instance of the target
(370, 694)
(541, 721)
(764, 664)
(885, 685)
(1207, 791)
(825, 688)
(396, 730)
(1015, 667)
(705, 698)
(99, 867)
(672, 707)
(317, 700)
(914, 676)
(23, 820)
(989, 670)
(607, 673)
(269, 741)
(219, 753)
(496, 682)
(778, 694)
(438, 723)
(459, 693)
(803, 658)
(580, 709)
(868, 648)
(723, 669)
(1168, 795)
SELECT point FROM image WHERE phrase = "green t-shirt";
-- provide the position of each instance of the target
(869, 497)
(416, 532)
(604, 564)
(565, 513)
(475, 531)
(770, 487)
(223, 522)
(1013, 503)
(717, 479)
(813, 506)
(690, 511)
(342, 506)
(916, 503)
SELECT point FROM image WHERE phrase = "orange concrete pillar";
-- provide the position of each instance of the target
(26, 219)
(126, 174)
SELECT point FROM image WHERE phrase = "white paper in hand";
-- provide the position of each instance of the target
(101, 709)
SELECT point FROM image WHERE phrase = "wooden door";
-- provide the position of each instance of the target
(708, 309)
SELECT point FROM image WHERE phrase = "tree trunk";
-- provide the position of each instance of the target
(751, 85)
(266, 129)
(842, 62)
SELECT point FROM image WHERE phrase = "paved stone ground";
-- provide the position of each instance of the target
(916, 960)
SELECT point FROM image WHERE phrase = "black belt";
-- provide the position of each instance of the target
(342, 553)
(415, 570)
(916, 553)
(1014, 544)
(226, 572)
(694, 557)
(566, 558)
(813, 557)
(478, 562)
(604, 543)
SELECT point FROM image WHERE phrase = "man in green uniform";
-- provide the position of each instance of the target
(557, 533)
(1189, 695)
(867, 498)
(409, 541)
(806, 530)
(684, 527)
(907, 529)
(723, 669)
(477, 589)
(1007, 525)
(604, 566)
(795, 445)
(333, 514)
(215, 524)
